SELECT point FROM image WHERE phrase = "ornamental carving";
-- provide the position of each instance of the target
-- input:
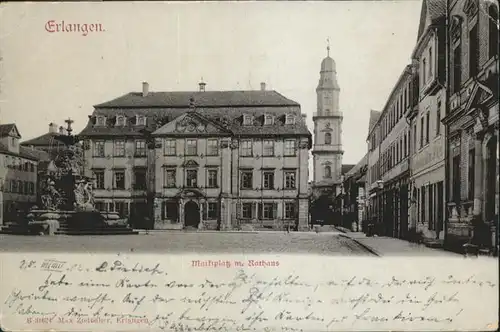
(234, 144)
(482, 117)
(470, 7)
(303, 144)
(189, 125)
(456, 27)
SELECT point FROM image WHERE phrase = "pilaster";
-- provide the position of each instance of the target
(181, 211)
(478, 175)
(225, 167)
(303, 215)
(157, 206)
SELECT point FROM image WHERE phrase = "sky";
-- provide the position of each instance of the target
(50, 76)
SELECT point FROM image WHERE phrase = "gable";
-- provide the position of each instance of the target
(14, 132)
(9, 130)
(190, 123)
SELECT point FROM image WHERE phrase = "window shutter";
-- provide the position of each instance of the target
(254, 211)
(259, 211)
(275, 210)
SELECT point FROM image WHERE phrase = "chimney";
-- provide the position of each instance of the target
(262, 86)
(145, 89)
(52, 127)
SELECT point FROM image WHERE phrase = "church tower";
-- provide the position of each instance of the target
(327, 149)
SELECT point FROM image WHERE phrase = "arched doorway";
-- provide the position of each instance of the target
(191, 214)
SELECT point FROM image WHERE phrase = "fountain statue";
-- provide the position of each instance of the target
(66, 197)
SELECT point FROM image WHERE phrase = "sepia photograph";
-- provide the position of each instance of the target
(335, 135)
(327, 130)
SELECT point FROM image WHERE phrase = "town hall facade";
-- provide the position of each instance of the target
(201, 159)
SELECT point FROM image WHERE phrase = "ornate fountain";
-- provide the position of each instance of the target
(66, 200)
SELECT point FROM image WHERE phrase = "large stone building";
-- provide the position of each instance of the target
(389, 175)
(18, 175)
(205, 159)
(427, 212)
(327, 149)
(373, 182)
(472, 121)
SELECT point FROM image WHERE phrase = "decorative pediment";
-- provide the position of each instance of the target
(479, 95)
(190, 163)
(190, 123)
(190, 193)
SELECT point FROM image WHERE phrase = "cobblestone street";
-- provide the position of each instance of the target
(327, 243)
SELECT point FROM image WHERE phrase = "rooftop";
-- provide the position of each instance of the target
(205, 99)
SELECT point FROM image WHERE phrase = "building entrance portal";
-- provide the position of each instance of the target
(191, 214)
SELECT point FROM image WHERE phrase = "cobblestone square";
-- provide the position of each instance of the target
(330, 243)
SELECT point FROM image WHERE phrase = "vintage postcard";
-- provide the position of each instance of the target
(249, 166)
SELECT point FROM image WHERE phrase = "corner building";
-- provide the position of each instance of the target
(472, 124)
(201, 159)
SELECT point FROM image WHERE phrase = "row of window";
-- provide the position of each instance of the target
(395, 153)
(396, 112)
(19, 187)
(140, 120)
(170, 178)
(191, 148)
(140, 148)
(139, 179)
(268, 210)
(211, 210)
(191, 179)
(17, 163)
(246, 179)
(268, 119)
(473, 45)
(121, 120)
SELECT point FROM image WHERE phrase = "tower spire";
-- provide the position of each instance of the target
(327, 47)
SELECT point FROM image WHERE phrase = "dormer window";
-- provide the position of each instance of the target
(140, 120)
(247, 119)
(289, 119)
(268, 119)
(120, 121)
(101, 121)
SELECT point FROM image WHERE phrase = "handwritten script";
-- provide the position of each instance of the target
(289, 294)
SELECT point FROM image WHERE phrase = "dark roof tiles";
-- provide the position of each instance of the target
(182, 99)
(229, 117)
(47, 139)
